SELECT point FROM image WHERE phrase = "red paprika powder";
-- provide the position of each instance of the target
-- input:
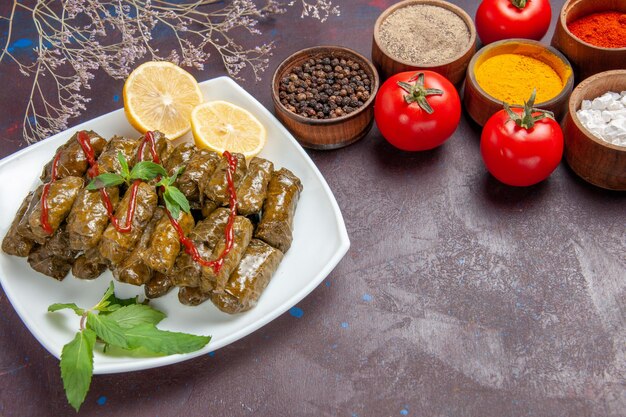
(607, 29)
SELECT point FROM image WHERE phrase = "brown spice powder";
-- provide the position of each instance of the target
(424, 34)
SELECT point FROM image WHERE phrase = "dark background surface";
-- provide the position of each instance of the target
(459, 296)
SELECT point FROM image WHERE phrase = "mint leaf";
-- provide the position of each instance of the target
(161, 341)
(77, 367)
(60, 306)
(175, 175)
(103, 304)
(170, 204)
(106, 329)
(133, 315)
(147, 170)
(124, 164)
(179, 198)
(105, 180)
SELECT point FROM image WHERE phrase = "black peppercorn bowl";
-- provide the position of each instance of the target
(323, 130)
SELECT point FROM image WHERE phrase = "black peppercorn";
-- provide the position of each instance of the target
(325, 87)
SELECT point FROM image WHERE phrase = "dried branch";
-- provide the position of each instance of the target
(76, 38)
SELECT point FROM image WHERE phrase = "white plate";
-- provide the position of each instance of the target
(320, 241)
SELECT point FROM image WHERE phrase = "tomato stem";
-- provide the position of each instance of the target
(527, 120)
(417, 93)
(520, 4)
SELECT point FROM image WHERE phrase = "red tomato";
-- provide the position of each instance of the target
(502, 19)
(519, 156)
(406, 123)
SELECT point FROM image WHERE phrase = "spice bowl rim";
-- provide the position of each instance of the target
(289, 63)
(462, 14)
(568, 85)
(563, 14)
(572, 110)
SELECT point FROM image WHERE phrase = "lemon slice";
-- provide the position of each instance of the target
(160, 96)
(222, 126)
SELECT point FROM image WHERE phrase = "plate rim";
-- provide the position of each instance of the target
(149, 363)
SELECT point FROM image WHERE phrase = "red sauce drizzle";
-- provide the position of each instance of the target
(190, 248)
(45, 224)
(149, 137)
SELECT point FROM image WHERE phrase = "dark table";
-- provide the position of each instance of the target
(459, 296)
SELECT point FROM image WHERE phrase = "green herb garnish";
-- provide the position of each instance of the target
(174, 199)
(123, 324)
(144, 170)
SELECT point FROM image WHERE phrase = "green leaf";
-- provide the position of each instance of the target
(147, 170)
(180, 199)
(60, 306)
(161, 341)
(123, 301)
(124, 164)
(107, 329)
(105, 180)
(175, 175)
(171, 205)
(133, 315)
(77, 367)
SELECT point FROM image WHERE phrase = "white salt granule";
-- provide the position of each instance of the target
(605, 117)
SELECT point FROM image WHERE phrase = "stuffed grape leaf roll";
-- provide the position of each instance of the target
(13, 243)
(276, 225)
(205, 235)
(191, 296)
(248, 281)
(158, 286)
(132, 269)
(164, 245)
(216, 278)
(179, 157)
(60, 198)
(23, 226)
(202, 164)
(108, 160)
(54, 258)
(89, 218)
(116, 245)
(72, 160)
(89, 265)
(253, 189)
(216, 186)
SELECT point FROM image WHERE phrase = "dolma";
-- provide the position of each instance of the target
(54, 258)
(179, 157)
(248, 281)
(216, 186)
(89, 265)
(161, 148)
(253, 189)
(192, 296)
(23, 226)
(108, 160)
(202, 164)
(276, 225)
(61, 196)
(158, 286)
(132, 269)
(164, 245)
(115, 245)
(13, 243)
(205, 235)
(72, 159)
(208, 207)
(89, 218)
(242, 233)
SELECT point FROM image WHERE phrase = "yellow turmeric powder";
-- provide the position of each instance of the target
(511, 78)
